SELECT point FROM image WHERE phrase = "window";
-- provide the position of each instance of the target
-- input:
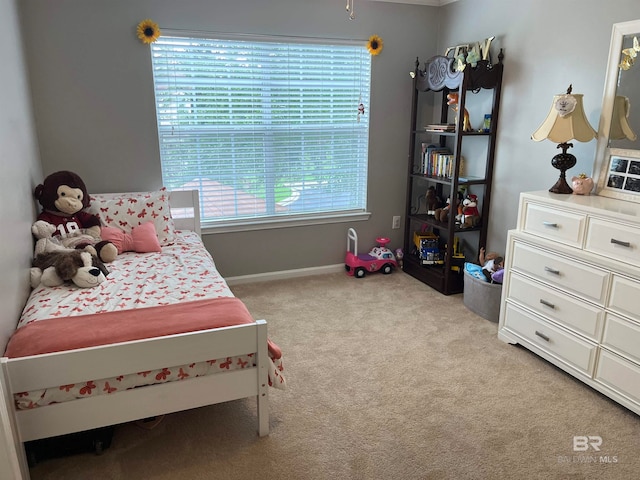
(265, 130)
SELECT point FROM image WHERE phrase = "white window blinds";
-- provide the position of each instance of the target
(264, 130)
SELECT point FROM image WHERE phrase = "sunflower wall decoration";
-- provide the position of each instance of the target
(148, 31)
(374, 45)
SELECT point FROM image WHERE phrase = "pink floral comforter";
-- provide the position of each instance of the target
(184, 271)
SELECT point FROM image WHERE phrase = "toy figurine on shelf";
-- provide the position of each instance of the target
(453, 100)
(470, 212)
(442, 214)
(457, 256)
(433, 202)
(427, 248)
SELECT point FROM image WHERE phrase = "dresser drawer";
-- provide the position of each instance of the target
(571, 275)
(576, 314)
(620, 242)
(625, 297)
(619, 374)
(565, 227)
(623, 336)
(561, 344)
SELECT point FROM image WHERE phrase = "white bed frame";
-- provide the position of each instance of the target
(63, 368)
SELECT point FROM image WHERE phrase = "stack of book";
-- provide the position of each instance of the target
(436, 161)
(440, 127)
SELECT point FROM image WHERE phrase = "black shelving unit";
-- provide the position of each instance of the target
(438, 78)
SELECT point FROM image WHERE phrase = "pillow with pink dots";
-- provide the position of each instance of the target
(128, 210)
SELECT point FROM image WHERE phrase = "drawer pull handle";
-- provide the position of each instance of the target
(550, 224)
(542, 336)
(620, 242)
(548, 304)
(551, 270)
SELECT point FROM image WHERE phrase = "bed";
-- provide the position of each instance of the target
(134, 362)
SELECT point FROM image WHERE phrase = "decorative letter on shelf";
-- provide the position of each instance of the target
(480, 49)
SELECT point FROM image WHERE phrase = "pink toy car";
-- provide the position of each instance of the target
(380, 258)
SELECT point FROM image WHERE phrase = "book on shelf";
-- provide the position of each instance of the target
(440, 127)
(436, 161)
(468, 178)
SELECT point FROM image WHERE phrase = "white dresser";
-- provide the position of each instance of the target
(571, 292)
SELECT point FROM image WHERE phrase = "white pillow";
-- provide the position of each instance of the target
(128, 210)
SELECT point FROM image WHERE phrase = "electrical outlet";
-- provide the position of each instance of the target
(396, 222)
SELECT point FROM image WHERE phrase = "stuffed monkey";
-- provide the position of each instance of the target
(63, 196)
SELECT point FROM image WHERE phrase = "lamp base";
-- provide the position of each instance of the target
(563, 161)
(561, 186)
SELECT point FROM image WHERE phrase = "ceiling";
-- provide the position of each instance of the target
(433, 3)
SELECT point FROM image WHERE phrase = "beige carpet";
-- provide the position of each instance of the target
(387, 380)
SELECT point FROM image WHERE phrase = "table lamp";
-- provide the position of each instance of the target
(565, 121)
(620, 127)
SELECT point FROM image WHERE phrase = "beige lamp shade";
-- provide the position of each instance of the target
(565, 121)
(620, 120)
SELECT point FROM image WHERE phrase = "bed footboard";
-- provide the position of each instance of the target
(62, 368)
(17, 467)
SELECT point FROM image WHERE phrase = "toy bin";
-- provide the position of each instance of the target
(481, 297)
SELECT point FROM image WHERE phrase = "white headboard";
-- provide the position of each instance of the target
(185, 209)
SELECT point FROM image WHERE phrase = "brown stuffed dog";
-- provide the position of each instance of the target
(442, 214)
(63, 196)
(54, 268)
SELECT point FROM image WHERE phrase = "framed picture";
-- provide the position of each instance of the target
(620, 175)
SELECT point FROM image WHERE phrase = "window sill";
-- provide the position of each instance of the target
(261, 224)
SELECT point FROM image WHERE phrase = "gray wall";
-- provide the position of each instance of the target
(19, 173)
(548, 45)
(93, 98)
(93, 93)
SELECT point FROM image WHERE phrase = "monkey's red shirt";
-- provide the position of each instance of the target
(70, 225)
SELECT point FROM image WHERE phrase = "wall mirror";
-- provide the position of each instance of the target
(618, 149)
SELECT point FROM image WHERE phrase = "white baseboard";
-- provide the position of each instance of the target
(284, 274)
